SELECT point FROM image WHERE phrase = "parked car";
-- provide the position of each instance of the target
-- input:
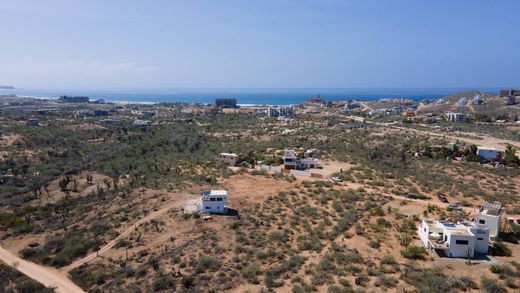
(514, 221)
(411, 196)
(337, 179)
(443, 198)
(454, 207)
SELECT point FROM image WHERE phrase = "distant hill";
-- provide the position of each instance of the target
(491, 104)
(6, 87)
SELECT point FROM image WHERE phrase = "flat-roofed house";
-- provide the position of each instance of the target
(490, 215)
(487, 153)
(227, 158)
(213, 202)
(454, 117)
(454, 239)
(292, 161)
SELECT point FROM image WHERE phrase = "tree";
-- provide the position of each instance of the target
(510, 158)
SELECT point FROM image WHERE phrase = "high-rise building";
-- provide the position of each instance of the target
(226, 103)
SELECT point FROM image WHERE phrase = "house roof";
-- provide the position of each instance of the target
(490, 208)
(218, 192)
(229, 154)
(486, 148)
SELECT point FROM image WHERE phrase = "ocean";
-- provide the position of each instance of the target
(247, 96)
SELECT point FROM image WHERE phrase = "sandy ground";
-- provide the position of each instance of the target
(47, 276)
(179, 202)
(10, 139)
(499, 144)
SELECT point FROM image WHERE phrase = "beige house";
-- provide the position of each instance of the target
(227, 158)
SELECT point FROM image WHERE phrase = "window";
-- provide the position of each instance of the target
(482, 221)
(480, 239)
(424, 229)
(212, 199)
(461, 242)
(208, 208)
(219, 198)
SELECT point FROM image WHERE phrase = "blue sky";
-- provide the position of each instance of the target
(98, 44)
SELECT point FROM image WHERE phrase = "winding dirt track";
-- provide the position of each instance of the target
(178, 203)
(58, 279)
(49, 277)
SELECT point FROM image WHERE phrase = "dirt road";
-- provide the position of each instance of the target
(49, 277)
(176, 204)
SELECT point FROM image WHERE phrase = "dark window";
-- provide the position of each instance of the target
(219, 198)
(212, 199)
(461, 242)
(208, 208)
(482, 221)
(480, 238)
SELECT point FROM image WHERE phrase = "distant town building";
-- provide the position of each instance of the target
(317, 100)
(214, 202)
(274, 112)
(142, 122)
(351, 106)
(352, 125)
(487, 153)
(454, 117)
(510, 95)
(292, 161)
(100, 113)
(110, 121)
(490, 215)
(477, 100)
(226, 103)
(462, 240)
(227, 158)
(74, 99)
(32, 122)
(462, 102)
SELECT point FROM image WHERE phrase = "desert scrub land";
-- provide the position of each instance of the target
(15, 282)
(71, 191)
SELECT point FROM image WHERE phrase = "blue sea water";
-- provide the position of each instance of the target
(248, 96)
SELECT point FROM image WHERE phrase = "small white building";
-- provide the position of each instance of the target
(490, 215)
(292, 162)
(213, 202)
(227, 158)
(454, 240)
(142, 122)
(487, 153)
(454, 117)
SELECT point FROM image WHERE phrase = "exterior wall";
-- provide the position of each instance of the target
(481, 240)
(274, 169)
(212, 204)
(492, 222)
(461, 250)
(487, 154)
(227, 159)
(424, 231)
(301, 173)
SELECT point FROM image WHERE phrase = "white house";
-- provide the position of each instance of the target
(454, 240)
(453, 117)
(213, 202)
(490, 215)
(227, 158)
(487, 153)
(292, 161)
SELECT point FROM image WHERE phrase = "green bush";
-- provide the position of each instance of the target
(414, 252)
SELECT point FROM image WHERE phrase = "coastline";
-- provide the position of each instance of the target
(247, 98)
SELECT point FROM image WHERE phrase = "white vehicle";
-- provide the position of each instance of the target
(337, 179)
